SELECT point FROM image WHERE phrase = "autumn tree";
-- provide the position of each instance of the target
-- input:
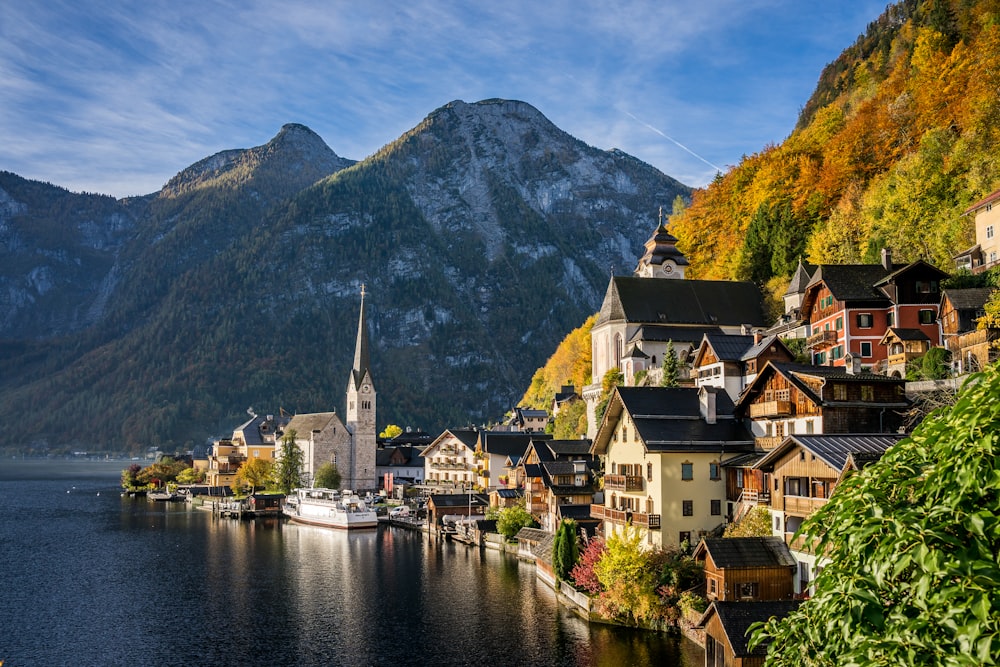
(755, 523)
(510, 520)
(611, 379)
(390, 432)
(253, 473)
(629, 578)
(583, 573)
(910, 572)
(571, 421)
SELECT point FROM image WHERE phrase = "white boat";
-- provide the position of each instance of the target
(330, 508)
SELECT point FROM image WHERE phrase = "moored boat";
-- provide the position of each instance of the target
(330, 508)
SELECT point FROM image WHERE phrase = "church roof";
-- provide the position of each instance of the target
(662, 245)
(362, 358)
(800, 279)
(691, 302)
(305, 424)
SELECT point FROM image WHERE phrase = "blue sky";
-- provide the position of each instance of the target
(116, 97)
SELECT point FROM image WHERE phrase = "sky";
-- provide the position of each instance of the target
(117, 96)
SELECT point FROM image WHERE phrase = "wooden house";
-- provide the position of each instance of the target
(559, 478)
(726, 625)
(972, 349)
(902, 346)
(747, 568)
(804, 472)
(441, 505)
(493, 450)
(731, 362)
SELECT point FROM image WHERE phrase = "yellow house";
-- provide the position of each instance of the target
(986, 253)
(254, 439)
(663, 451)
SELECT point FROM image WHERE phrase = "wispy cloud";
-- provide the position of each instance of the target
(118, 96)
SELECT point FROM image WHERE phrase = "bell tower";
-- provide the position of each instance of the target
(359, 473)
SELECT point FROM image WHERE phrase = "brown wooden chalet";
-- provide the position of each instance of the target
(559, 481)
(902, 346)
(726, 625)
(849, 307)
(730, 362)
(805, 470)
(747, 568)
(971, 349)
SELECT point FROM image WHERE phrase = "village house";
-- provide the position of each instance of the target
(792, 324)
(727, 625)
(850, 307)
(492, 451)
(901, 347)
(663, 451)
(732, 362)
(986, 253)
(399, 464)
(747, 568)
(787, 399)
(564, 398)
(525, 420)
(454, 505)
(971, 348)
(449, 461)
(253, 439)
(559, 478)
(804, 472)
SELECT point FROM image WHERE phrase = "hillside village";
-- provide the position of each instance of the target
(748, 425)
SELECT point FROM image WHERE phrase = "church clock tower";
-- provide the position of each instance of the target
(360, 470)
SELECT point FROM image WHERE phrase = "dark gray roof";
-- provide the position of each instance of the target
(504, 443)
(663, 301)
(905, 334)
(669, 419)
(800, 279)
(568, 448)
(765, 342)
(919, 267)
(532, 534)
(971, 298)
(658, 333)
(635, 353)
(459, 500)
(737, 552)
(510, 493)
(737, 617)
(532, 470)
(852, 282)
(662, 245)
(834, 450)
(728, 348)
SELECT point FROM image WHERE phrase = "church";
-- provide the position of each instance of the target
(350, 445)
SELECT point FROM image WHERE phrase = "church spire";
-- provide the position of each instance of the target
(362, 360)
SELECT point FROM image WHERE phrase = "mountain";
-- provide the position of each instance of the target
(897, 140)
(482, 235)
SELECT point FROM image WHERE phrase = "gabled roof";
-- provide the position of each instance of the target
(467, 437)
(696, 302)
(726, 348)
(834, 450)
(305, 424)
(660, 333)
(969, 298)
(800, 279)
(794, 374)
(669, 419)
(988, 199)
(901, 333)
(737, 617)
(765, 343)
(503, 443)
(567, 448)
(919, 266)
(532, 535)
(851, 282)
(737, 552)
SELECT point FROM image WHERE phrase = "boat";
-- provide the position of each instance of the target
(330, 508)
(167, 496)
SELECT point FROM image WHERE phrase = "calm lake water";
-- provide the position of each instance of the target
(90, 578)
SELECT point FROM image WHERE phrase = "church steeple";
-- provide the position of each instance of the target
(662, 258)
(362, 360)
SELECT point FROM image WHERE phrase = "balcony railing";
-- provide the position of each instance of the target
(623, 482)
(822, 339)
(650, 521)
(802, 506)
(769, 442)
(771, 409)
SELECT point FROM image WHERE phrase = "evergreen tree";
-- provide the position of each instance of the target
(565, 551)
(671, 367)
(288, 472)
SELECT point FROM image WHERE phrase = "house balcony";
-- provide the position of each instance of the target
(802, 506)
(623, 483)
(622, 517)
(449, 466)
(767, 443)
(822, 339)
(765, 409)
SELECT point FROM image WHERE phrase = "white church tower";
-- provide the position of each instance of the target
(361, 412)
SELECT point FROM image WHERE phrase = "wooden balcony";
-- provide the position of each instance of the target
(764, 409)
(802, 506)
(621, 517)
(768, 443)
(622, 483)
(822, 339)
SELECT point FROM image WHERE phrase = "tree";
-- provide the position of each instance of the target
(755, 523)
(671, 367)
(565, 551)
(390, 432)
(512, 519)
(583, 574)
(129, 475)
(327, 476)
(288, 471)
(190, 476)
(253, 473)
(909, 544)
(612, 378)
(571, 421)
(629, 578)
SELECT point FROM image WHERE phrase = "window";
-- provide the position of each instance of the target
(840, 324)
(890, 319)
(716, 507)
(777, 523)
(739, 478)
(989, 231)
(687, 471)
(687, 507)
(837, 352)
(866, 348)
(809, 427)
(927, 317)
(685, 536)
(868, 393)
(649, 472)
(840, 392)
(865, 320)
(711, 586)
(713, 471)
(746, 590)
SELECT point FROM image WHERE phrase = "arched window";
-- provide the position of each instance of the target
(618, 350)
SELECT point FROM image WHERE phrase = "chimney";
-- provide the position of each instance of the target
(756, 337)
(706, 401)
(887, 259)
(852, 364)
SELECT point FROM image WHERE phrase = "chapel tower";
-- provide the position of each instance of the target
(360, 472)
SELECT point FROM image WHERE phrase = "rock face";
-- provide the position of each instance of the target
(483, 236)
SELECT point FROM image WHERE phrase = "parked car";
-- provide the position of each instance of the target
(399, 512)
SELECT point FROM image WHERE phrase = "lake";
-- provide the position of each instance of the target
(90, 578)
